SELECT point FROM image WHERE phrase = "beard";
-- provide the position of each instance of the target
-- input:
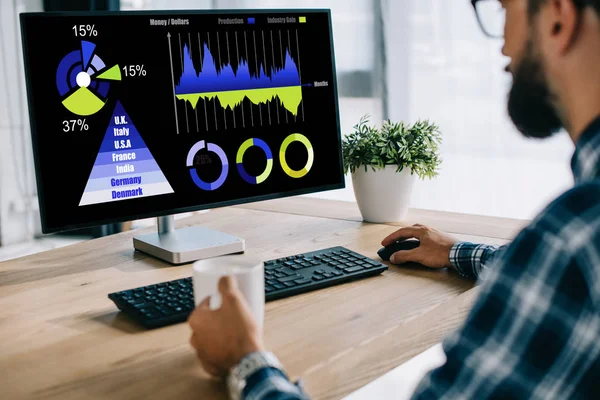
(530, 99)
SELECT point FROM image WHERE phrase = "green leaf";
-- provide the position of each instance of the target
(413, 146)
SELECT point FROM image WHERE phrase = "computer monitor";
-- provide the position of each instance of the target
(154, 113)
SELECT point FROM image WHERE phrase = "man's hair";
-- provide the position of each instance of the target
(534, 5)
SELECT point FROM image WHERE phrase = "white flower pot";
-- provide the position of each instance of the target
(383, 195)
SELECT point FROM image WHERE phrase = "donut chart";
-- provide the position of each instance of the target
(254, 180)
(208, 186)
(296, 137)
(81, 80)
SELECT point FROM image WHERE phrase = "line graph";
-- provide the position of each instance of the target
(235, 78)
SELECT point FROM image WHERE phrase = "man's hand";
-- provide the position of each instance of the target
(433, 251)
(223, 337)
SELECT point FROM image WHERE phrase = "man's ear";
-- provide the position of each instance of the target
(561, 23)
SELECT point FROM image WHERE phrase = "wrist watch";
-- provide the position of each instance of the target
(238, 375)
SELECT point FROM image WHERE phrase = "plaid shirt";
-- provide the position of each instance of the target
(534, 331)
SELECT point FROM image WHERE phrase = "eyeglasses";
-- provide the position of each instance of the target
(491, 17)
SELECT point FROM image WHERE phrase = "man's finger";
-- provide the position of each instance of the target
(209, 368)
(198, 314)
(227, 284)
(402, 234)
(205, 304)
(193, 341)
(404, 256)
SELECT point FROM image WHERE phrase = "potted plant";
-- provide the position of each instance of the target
(384, 163)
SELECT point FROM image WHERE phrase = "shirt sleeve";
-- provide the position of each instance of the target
(471, 260)
(272, 384)
(525, 337)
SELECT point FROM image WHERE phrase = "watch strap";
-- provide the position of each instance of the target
(239, 374)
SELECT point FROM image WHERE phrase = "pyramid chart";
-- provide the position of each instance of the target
(124, 168)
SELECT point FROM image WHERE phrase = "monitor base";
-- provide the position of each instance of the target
(185, 245)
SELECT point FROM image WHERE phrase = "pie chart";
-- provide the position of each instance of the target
(83, 80)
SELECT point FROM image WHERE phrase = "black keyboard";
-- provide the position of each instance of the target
(171, 302)
(306, 272)
(158, 305)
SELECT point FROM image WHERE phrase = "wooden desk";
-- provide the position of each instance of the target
(61, 337)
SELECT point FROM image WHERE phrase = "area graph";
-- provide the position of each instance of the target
(232, 87)
(224, 79)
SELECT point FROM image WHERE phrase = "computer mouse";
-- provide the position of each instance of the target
(386, 252)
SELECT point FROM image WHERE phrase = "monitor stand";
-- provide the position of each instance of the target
(185, 245)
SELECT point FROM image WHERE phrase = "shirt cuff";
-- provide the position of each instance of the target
(468, 258)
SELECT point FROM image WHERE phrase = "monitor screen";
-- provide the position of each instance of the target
(142, 114)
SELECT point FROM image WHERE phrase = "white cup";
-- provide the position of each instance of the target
(248, 272)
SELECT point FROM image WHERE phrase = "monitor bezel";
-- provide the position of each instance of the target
(137, 216)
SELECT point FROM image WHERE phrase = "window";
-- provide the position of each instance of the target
(441, 67)
(458, 81)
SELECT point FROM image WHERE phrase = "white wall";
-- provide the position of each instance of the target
(18, 207)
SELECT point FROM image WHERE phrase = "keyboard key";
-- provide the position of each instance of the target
(328, 275)
(353, 269)
(289, 278)
(288, 271)
(280, 275)
(303, 281)
(317, 278)
(269, 289)
(278, 286)
(337, 273)
(271, 266)
(288, 263)
(269, 262)
(271, 281)
(290, 284)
